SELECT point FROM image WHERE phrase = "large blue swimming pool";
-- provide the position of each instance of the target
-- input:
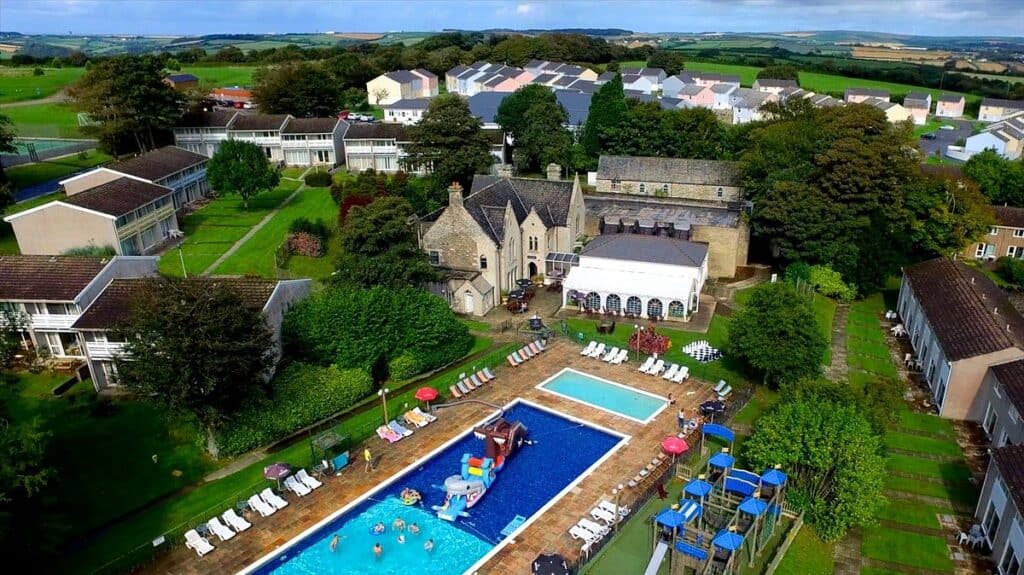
(605, 395)
(563, 451)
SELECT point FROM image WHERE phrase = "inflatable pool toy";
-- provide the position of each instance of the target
(378, 529)
(501, 439)
(410, 496)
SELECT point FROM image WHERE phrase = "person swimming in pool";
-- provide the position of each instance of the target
(414, 529)
(429, 545)
(399, 524)
(334, 542)
(379, 528)
(378, 551)
(401, 538)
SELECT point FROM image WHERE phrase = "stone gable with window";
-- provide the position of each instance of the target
(700, 180)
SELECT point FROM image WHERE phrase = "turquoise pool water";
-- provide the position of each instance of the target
(605, 395)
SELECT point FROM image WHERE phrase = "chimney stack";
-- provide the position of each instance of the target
(504, 170)
(455, 195)
(554, 171)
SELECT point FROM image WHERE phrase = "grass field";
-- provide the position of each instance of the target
(44, 121)
(256, 256)
(220, 76)
(896, 546)
(32, 174)
(808, 555)
(912, 513)
(213, 229)
(926, 445)
(19, 84)
(1010, 79)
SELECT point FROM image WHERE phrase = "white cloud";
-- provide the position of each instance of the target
(524, 9)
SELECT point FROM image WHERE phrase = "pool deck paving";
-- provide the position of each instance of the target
(547, 533)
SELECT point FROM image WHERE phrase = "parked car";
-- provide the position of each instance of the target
(928, 136)
(947, 127)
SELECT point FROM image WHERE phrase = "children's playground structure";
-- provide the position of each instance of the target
(726, 515)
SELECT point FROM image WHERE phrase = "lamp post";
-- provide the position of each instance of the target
(617, 492)
(383, 393)
(637, 329)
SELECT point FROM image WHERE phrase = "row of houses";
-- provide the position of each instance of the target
(391, 87)
(283, 138)
(74, 306)
(1005, 137)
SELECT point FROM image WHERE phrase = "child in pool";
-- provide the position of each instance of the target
(399, 524)
(401, 538)
(378, 551)
(379, 528)
(429, 545)
(414, 529)
(334, 542)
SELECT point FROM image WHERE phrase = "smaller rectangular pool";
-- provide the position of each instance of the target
(599, 393)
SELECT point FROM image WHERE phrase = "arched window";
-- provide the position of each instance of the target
(594, 301)
(643, 188)
(483, 262)
(676, 309)
(720, 192)
(612, 304)
(633, 305)
(654, 308)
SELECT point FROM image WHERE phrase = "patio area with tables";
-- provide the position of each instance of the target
(547, 534)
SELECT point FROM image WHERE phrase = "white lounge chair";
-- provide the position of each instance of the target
(671, 372)
(611, 508)
(590, 347)
(219, 529)
(578, 532)
(594, 527)
(273, 499)
(602, 515)
(646, 364)
(198, 543)
(657, 368)
(430, 418)
(726, 392)
(307, 480)
(295, 487)
(236, 521)
(611, 354)
(721, 385)
(683, 373)
(598, 350)
(623, 354)
(262, 507)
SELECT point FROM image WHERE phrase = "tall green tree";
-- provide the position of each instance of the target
(13, 325)
(380, 247)
(241, 168)
(832, 456)
(777, 336)
(195, 347)
(946, 215)
(511, 114)
(1000, 179)
(127, 97)
(7, 135)
(671, 61)
(301, 89)
(607, 109)
(646, 129)
(23, 476)
(449, 140)
(544, 140)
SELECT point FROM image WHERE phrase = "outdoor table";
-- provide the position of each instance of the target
(242, 507)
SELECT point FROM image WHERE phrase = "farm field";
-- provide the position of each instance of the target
(1010, 79)
(222, 75)
(44, 121)
(19, 84)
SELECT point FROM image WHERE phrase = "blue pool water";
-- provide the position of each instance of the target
(561, 452)
(605, 395)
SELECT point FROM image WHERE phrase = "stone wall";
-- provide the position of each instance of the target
(727, 248)
(702, 192)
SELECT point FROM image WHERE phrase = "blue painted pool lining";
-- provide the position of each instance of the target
(645, 421)
(369, 496)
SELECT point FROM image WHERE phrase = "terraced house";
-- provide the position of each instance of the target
(1000, 507)
(283, 138)
(1006, 238)
(52, 291)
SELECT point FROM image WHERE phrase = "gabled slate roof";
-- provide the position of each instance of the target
(490, 195)
(770, 83)
(311, 126)
(160, 163)
(951, 98)
(118, 197)
(47, 278)
(1012, 104)
(179, 78)
(410, 104)
(268, 122)
(867, 92)
(1010, 462)
(1011, 377)
(402, 76)
(1009, 216)
(380, 130)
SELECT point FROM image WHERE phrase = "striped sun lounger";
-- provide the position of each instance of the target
(476, 380)
(462, 387)
(455, 392)
(539, 344)
(487, 372)
(512, 361)
(526, 352)
(482, 377)
(518, 357)
(533, 347)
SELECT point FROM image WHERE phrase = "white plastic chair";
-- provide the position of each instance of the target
(219, 529)
(646, 364)
(307, 480)
(590, 347)
(273, 499)
(295, 487)
(262, 507)
(198, 543)
(236, 521)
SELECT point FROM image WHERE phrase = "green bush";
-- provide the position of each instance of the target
(360, 328)
(404, 367)
(301, 394)
(318, 179)
(829, 283)
(317, 227)
(1011, 270)
(91, 251)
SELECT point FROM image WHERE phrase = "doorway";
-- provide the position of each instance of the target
(533, 270)
(470, 307)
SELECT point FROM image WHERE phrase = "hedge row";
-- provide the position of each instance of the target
(302, 394)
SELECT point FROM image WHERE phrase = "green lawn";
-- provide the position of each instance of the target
(912, 513)
(292, 172)
(214, 228)
(915, 550)
(20, 84)
(44, 121)
(475, 325)
(39, 172)
(631, 550)
(132, 538)
(924, 445)
(867, 350)
(808, 555)
(927, 423)
(256, 256)
(103, 450)
(964, 494)
(725, 368)
(762, 399)
(221, 76)
(948, 471)
(878, 571)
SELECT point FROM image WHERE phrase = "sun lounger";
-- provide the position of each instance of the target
(512, 361)
(308, 480)
(593, 527)
(623, 354)
(293, 485)
(262, 507)
(721, 385)
(476, 380)
(385, 433)
(198, 543)
(611, 508)
(590, 347)
(656, 368)
(540, 345)
(487, 372)
(455, 392)
(465, 389)
(602, 515)
(598, 350)
(469, 384)
(430, 418)
(578, 532)
(219, 529)
(611, 354)
(397, 428)
(232, 518)
(413, 419)
(519, 357)
(646, 364)
(530, 354)
(533, 347)
(671, 372)
(273, 499)
(726, 392)
(683, 373)
(482, 377)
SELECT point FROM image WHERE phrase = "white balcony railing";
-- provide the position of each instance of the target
(104, 349)
(53, 321)
(311, 144)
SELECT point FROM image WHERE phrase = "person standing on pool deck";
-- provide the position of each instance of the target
(378, 551)
(681, 419)
(369, 459)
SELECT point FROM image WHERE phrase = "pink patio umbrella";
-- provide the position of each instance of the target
(674, 446)
(426, 394)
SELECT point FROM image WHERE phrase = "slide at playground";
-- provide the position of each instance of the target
(657, 558)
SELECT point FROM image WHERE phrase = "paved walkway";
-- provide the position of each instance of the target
(58, 98)
(231, 251)
(839, 370)
(847, 553)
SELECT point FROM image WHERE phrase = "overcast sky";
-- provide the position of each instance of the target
(187, 17)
